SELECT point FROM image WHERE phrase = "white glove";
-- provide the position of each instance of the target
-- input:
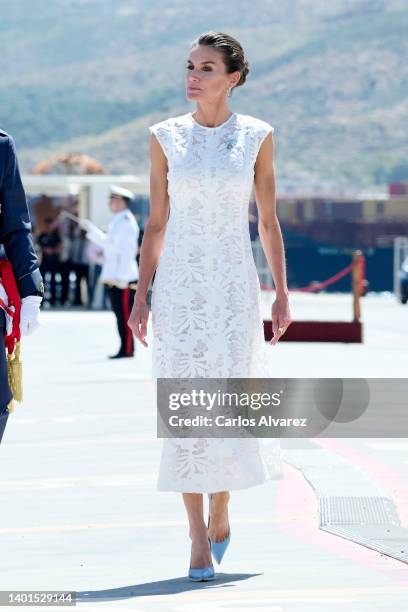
(29, 314)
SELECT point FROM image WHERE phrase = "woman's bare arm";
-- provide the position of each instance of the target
(153, 238)
(155, 227)
(270, 232)
(268, 224)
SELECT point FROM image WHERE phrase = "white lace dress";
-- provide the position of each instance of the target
(206, 300)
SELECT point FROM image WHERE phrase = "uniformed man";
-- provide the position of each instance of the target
(16, 238)
(120, 271)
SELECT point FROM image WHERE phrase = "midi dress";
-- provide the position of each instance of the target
(206, 298)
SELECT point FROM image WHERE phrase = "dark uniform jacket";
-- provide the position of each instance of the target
(16, 238)
(15, 224)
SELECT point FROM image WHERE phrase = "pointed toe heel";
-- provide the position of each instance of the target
(218, 548)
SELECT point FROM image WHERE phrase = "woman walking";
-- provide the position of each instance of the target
(206, 301)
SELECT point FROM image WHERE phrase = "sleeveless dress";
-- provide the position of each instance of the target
(206, 298)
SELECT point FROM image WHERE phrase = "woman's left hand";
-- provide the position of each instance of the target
(281, 317)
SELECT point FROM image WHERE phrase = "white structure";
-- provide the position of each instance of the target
(92, 190)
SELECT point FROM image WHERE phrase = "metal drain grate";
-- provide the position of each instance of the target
(365, 516)
(348, 510)
(388, 540)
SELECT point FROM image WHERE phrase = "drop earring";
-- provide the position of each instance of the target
(229, 90)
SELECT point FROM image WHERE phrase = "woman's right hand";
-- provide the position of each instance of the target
(138, 319)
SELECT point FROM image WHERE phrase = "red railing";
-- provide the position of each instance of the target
(359, 261)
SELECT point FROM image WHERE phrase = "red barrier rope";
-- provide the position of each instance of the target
(333, 279)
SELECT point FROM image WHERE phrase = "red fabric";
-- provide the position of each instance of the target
(14, 299)
(126, 314)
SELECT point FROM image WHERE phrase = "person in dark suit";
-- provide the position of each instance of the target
(17, 242)
(50, 243)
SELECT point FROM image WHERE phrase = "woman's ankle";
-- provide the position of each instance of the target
(198, 534)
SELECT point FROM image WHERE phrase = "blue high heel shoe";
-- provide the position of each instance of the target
(201, 573)
(218, 548)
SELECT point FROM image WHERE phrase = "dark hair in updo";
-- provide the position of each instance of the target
(232, 52)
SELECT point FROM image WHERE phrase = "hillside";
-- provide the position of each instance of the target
(91, 75)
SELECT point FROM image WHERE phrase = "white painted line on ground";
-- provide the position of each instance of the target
(77, 418)
(82, 442)
(97, 480)
(267, 520)
(389, 446)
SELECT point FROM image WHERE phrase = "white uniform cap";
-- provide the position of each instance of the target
(121, 192)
